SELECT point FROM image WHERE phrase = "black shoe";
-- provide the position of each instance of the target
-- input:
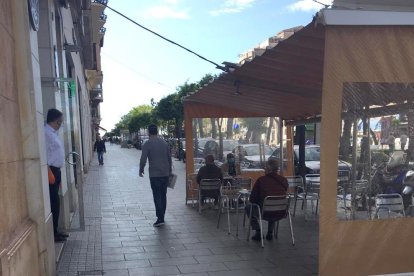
(158, 223)
(269, 236)
(257, 236)
(62, 234)
(60, 239)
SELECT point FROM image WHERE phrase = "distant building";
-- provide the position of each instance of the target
(267, 44)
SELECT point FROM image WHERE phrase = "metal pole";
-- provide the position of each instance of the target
(280, 134)
(354, 164)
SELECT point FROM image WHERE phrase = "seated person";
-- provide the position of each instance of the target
(271, 184)
(209, 171)
(230, 167)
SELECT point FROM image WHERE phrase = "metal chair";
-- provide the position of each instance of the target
(275, 208)
(206, 187)
(295, 184)
(312, 190)
(352, 195)
(243, 182)
(192, 192)
(228, 195)
(389, 202)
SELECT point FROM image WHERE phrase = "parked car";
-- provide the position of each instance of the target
(312, 159)
(249, 155)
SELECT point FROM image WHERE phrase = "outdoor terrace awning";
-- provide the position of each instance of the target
(285, 81)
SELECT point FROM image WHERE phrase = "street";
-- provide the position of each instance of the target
(120, 240)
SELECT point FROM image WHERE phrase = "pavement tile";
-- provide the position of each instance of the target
(117, 272)
(248, 264)
(217, 258)
(147, 255)
(192, 268)
(191, 252)
(173, 261)
(244, 272)
(161, 270)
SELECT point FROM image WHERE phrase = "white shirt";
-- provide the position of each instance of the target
(55, 152)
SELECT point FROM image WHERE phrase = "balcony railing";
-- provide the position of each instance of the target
(103, 2)
(103, 16)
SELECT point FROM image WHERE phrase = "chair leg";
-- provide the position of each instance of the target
(237, 219)
(276, 230)
(261, 226)
(228, 214)
(248, 228)
(199, 204)
(291, 229)
(294, 206)
(219, 213)
(317, 206)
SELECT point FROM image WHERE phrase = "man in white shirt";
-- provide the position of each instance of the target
(55, 154)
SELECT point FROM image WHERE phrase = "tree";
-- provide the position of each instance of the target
(229, 128)
(255, 128)
(345, 141)
(139, 117)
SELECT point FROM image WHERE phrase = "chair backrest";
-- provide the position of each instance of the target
(361, 186)
(243, 182)
(313, 177)
(343, 177)
(232, 192)
(275, 207)
(313, 183)
(390, 202)
(294, 182)
(210, 184)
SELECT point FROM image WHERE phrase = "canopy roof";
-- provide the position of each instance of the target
(285, 81)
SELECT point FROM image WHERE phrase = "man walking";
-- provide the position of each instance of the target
(157, 151)
(55, 154)
(99, 147)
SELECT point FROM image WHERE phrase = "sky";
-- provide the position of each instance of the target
(138, 66)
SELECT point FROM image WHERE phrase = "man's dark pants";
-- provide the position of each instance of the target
(54, 197)
(254, 219)
(100, 157)
(159, 192)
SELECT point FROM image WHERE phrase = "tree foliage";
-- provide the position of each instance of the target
(166, 112)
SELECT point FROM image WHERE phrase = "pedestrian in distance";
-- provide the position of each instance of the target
(100, 148)
(403, 140)
(157, 151)
(55, 154)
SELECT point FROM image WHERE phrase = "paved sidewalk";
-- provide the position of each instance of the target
(120, 240)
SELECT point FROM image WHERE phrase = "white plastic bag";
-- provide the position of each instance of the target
(171, 180)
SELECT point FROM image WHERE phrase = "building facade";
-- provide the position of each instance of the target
(50, 58)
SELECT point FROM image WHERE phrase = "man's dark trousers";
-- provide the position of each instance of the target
(159, 192)
(54, 197)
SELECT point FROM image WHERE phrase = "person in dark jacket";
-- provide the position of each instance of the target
(210, 171)
(99, 147)
(272, 184)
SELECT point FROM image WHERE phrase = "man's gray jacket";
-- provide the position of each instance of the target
(159, 157)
